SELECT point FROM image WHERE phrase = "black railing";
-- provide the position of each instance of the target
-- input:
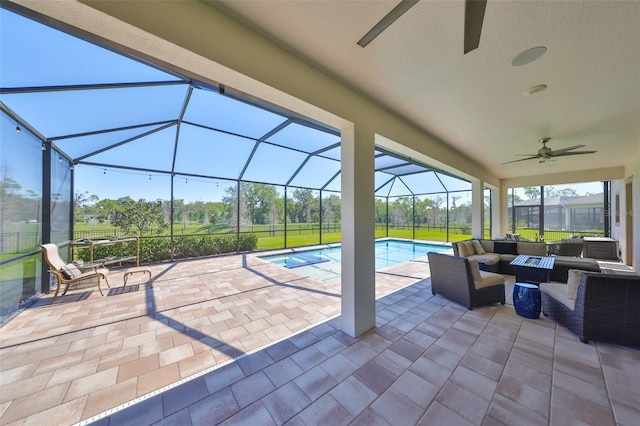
(556, 235)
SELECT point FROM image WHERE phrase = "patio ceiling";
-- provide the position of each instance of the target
(100, 108)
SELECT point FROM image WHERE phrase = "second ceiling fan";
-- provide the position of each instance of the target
(473, 18)
(545, 153)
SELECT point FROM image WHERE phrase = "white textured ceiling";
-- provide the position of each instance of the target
(475, 102)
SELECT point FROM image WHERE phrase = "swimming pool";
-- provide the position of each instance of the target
(324, 264)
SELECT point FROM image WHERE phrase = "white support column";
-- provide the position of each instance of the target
(477, 208)
(503, 226)
(496, 212)
(358, 231)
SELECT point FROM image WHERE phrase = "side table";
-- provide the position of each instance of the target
(527, 300)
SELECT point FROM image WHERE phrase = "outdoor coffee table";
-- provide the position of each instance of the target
(532, 269)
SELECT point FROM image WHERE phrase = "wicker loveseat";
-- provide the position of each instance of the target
(498, 255)
(596, 306)
(461, 280)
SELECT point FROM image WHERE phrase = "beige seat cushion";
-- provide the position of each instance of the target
(578, 262)
(558, 291)
(482, 279)
(489, 279)
(475, 270)
(508, 257)
(533, 249)
(487, 258)
(487, 245)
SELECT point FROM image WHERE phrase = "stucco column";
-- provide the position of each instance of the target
(477, 208)
(496, 212)
(358, 231)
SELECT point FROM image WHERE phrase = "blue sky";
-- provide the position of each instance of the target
(35, 55)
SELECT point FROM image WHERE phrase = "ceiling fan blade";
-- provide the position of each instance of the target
(388, 19)
(473, 17)
(573, 153)
(569, 148)
(526, 155)
(522, 159)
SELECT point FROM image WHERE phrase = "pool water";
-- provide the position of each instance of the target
(324, 264)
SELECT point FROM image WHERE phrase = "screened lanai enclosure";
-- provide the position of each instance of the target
(91, 138)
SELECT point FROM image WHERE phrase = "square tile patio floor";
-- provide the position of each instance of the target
(237, 340)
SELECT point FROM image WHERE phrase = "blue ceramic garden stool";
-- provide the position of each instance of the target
(526, 300)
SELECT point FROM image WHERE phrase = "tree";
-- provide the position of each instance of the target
(84, 204)
(304, 206)
(565, 192)
(82, 199)
(438, 217)
(423, 207)
(401, 211)
(259, 200)
(9, 190)
(230, 199)
(381, 210)
(331, 206)
(107, 209)
(140, 217)
(513, 199)
(532, 192)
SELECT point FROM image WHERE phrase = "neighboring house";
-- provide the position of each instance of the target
(575, 213)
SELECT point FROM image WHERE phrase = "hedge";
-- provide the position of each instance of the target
(156, 249)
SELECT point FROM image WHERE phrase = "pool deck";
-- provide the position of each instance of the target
(236, 340)
(86, 354)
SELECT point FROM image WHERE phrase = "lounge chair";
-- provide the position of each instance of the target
(461, 280)
(567, 247)
(596, 306)
(68, 273)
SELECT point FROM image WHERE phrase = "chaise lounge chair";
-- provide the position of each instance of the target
(68, 273)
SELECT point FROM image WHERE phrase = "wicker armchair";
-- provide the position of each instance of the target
(57, 267)
(571, 247)
(606, 308)
(456, 278)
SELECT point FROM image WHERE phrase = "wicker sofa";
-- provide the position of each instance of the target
(596, 306)
(462, 281)
(498, 255)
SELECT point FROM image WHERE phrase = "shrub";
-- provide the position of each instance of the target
(156, 249)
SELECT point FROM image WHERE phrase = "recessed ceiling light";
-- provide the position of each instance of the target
(535, 89)
(528, 56)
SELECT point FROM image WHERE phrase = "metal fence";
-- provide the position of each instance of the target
(24, 242)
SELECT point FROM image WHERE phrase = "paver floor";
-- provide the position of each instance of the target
(237, 340)
(86, 354)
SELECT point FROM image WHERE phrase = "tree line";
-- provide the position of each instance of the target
(259, 204)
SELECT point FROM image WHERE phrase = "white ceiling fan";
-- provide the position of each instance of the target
(473, 18)
(545, 153)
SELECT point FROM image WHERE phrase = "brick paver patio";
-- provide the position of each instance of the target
(238, 341)
(86, 354)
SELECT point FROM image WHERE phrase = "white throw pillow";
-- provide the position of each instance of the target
(70, 271)
(478, 247)
(573, 282)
